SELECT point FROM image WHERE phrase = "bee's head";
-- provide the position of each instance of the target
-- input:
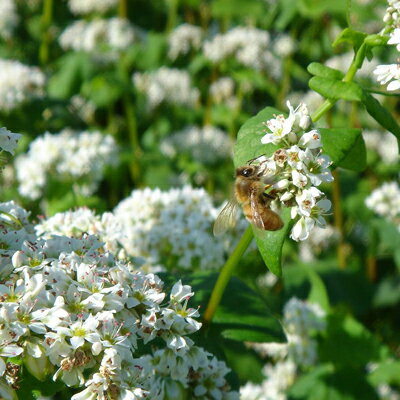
(247, 171)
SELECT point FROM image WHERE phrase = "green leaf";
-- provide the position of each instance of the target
(381, 114)
(356, 158)
(318, 8)
(74, 69)
(237, 8)
(103, 90)
(335, 89)
(348, 343)
(248, 144)
(349, 35)
(387, 372)
(323, 71)
(324, 382)
(242, 314)
(270, 243)
(338, 143)
(318, 293)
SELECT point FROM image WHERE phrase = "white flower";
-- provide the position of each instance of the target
(18, 84)
(69, 154)
(169, 85)
(395, 38)
(104, 38)
(208, 145)
(385, 201)
(184, 38)
(91, 6)
(388, 73)
(311, 140)
(9, 18)
(311, 215)
(279, 127)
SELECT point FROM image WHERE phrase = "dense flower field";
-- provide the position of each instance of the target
(199, 199)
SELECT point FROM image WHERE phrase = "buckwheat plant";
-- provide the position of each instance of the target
(68, 156)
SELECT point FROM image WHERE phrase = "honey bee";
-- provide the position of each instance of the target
(250, 193)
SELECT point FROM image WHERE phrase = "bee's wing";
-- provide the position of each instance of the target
(226, 218)
(255, 203)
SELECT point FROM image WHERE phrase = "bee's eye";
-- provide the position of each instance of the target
(247, 172)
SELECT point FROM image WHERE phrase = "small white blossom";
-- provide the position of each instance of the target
(184, 38)
(169, 85)
(18, 84)
(78, 7)
(9, 18)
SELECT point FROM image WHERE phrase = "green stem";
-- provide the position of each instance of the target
(123, 9)
(226, 273)
(130, 116)
(172, 14)
(355, 65)
(47, 17)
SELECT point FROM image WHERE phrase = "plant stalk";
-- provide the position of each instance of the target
(123, 9)
(226, 273)
(47, 17)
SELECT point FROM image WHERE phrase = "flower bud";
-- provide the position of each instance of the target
(6, 392)
(174, 390)
(292, 137)
(286, 196)
(18, 259)
(305, 122)
(40, 367)
(282, 184)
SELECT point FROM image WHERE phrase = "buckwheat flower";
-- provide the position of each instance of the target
(222, 90)
(249, 46)
(279, 127)
(284, 45)
(305, 224)
(207, 145)
(8, 140)
(91, 6)
(68, 155)
(388, 74)
(184, 38)
(103, 38)
(19, 83)
(385, 201)
(9, 18)
(176, 223)
(169, 85)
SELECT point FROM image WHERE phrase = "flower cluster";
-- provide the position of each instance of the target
(249, 46)
(19, 83)
(9, 18)
(385, 201)
(184, 38)
(78, 7)
(82, 316)
(302, 320)
(79, 222)
(170, 229)
(78, 157)
(104, 38)
(169, 85)
(8, 140)
(223, 91)
(390, 73)
(207, 145)
(296, 169)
